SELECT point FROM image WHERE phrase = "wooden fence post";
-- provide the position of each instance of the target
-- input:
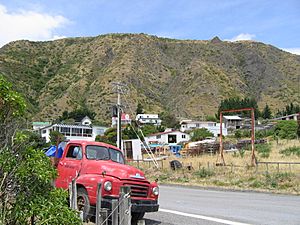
(125, 205)
(114, 208)
(73, 194)
(99, 218)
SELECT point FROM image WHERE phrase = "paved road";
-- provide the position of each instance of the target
(192, 206)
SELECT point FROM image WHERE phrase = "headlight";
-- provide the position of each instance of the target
(155, 190)
(107, 186)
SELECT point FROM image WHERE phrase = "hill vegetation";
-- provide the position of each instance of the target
(186, 77)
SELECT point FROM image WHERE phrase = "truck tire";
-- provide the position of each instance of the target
(83, 203)
(135, 216)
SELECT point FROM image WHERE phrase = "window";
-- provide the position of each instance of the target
(76, 132)
(87, 132)
(183, 136)
(74, 152)
(158, 136)
(102, 153)
(44, 131)
(116, 156)
(197, 125)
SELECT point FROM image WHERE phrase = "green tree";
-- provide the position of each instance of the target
(139, 109)
(286, 129)
(200, 134)
(169, 120)
(110, 136)
(149, 129)
(237, 103)
(298, 130)
(266, 113)
(26, 175)
(238, 134)
(77, 114)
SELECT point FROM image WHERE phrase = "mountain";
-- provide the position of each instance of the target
(186, 77)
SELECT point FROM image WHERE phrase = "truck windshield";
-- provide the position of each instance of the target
(103, 153)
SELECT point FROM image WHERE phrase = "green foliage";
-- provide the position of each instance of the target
(11, 102)
(274, 180)
(109, 137)
(149, 129)
(263, 150)
(212, 118)
(200, 134)
(286, 129)
(169, 120)
(139, 109)
(203, 173)
(289, 109)
(129, 132)
(238, 134)
(291, 151)
(78, 114)
(56, 137)
(26, 174)
(298, 129)
(266, 113)
(237, 103)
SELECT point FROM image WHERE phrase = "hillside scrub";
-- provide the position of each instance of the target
(184, 77)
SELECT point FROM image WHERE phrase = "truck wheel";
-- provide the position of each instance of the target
(83, 203)
(135, 216)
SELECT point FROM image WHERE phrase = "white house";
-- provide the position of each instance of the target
(83, 131)
(71, 132)
(148, 119)
(132, 149)
(168, 137)
(213, 127)
(86, 121)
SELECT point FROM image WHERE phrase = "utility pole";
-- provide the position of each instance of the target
(119, 88)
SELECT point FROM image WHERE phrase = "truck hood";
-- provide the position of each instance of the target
(114, 169)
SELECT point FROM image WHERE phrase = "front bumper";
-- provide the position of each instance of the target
(136, 205)
(144, 206)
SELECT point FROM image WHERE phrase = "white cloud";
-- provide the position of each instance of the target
(29, 25)
(242, 36)
(292, 50)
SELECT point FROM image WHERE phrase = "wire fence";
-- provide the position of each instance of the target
(261, 167)
(117, 213)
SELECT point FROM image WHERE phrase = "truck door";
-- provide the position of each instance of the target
(69, 166)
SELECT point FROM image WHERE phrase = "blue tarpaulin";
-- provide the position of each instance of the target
(51, 151)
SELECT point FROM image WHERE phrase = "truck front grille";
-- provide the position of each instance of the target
(138, 190)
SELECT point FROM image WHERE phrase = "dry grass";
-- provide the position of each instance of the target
(238, 172)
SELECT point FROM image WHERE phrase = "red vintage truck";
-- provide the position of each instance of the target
(93, 162)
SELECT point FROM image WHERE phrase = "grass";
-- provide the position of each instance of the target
(238, 172)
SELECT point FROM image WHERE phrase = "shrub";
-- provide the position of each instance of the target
(203, 173)
(286, 129)
(291, 151)
(263, 150)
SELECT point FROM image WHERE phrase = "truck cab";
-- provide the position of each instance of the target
(93, 162)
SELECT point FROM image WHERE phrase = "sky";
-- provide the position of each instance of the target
(275, 22)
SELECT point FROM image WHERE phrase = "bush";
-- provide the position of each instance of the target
(203, 173)
(291, 151)
(263, 150)
(286, 129)
(200, 134)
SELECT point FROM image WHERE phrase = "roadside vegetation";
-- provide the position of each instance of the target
(27, 195)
